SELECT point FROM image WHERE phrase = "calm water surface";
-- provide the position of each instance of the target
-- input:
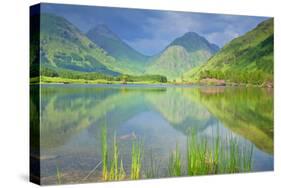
(161, 116)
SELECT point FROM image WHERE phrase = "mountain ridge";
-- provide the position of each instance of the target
(62, 45)
(182, 54)
(190, 42)
(245, 59)
(104, 37)
(188, 57)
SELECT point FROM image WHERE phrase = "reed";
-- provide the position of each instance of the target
(115, 172)
(104, 152)
(204, 158)
(136, 159)
(247, 154)
(121, 173)
(234, 156)
(152, 170)
(58, 175)
(217, 148)
(198, 156)
(175, 163)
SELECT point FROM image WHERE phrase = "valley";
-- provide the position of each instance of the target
(68, 55)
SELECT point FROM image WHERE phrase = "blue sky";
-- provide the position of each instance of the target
(150, 31)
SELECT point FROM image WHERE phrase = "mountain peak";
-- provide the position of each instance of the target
(191, 34)
(114, 45)
(192, 42)
(103, 30)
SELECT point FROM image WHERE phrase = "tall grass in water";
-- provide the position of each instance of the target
(58, 174)
(113, 174)
(115, 171)
(121, 173)
(136, 159)
(205, 158)
(198, 156)
(247, 154)
(175, 163)
(104, 152)
(238, 157)
(152, 171)
(234, 156)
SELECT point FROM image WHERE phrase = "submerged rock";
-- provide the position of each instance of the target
(130, 136)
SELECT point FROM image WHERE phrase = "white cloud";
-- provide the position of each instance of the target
(222, 37)
(162, 31)
(218, 29)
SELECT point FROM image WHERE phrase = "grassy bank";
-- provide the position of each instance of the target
(60, 80)
(205, 82)
(218, 82)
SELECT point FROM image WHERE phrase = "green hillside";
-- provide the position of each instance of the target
(68, 56)
(110, 42)
(246, 59)
(101, 55)
(63, 46)
(182, 55)
(193, 42)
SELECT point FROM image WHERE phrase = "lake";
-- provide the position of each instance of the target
(161, 117)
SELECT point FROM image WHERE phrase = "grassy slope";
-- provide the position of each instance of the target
(175, 60)
(184, 53)
(248, 58)
(64, 46)
(124, 54)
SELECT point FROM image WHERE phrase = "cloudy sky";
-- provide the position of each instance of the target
(150, 31)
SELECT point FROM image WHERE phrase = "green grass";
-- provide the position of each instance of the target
(122, 172)
(175, 163)
(204, 158)
(116, 170)
(113, 174)
(58, 175)
(152, 170)
(46, 79)
(198, 157)
(247, 154)
(136, 160)
(104, 153)
(234, 156)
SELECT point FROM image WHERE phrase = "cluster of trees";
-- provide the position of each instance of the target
(130, 78)
(44, 71)
(237, 76)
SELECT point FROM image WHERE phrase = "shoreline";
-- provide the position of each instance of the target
(154, 85)
(66, 81)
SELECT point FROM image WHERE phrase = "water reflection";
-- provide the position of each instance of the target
(72, 115)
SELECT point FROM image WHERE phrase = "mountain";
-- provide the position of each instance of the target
(184, 53)
(193, 42)
(64, 47)
(116, 47)
(246, 59)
